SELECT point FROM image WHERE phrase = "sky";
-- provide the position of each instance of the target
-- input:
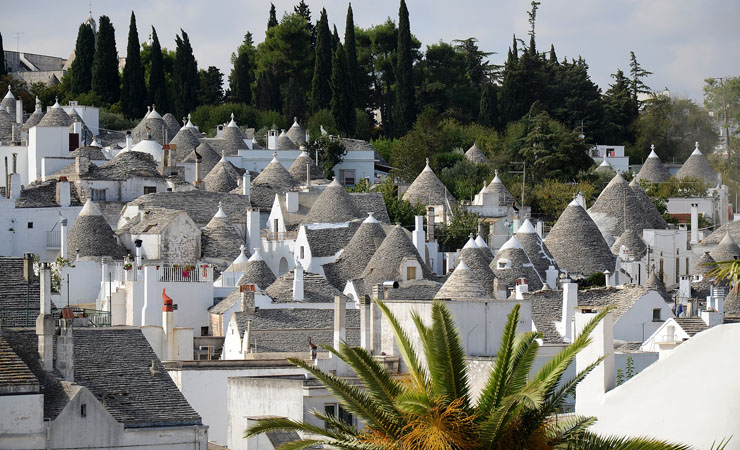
(681, 41)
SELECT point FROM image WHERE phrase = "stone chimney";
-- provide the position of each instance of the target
(168, 326)
(308, 174)
(340, 313)
(246, 184)
(64, 193)
(590, 392)
(551, 275)
(65, 350)
(298, 282)
(694, 224)
(570, 301)
(246, 293)
(430, 223)
(417, 236)
(82, 164)
(45, 321)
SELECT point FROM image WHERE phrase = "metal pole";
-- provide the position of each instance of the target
(67, 290)
(28, 297)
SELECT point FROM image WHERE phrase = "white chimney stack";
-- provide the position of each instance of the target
(129, 141)
(246, 184)
(63, 241)
(168, 326)
(253, 228)
(522, 287)
(570, 301)
(590, 392)
(340, 312)
(417, 236)
(694, 224)
(298, 282)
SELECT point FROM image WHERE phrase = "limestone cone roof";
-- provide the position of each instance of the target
(497, 187)
(274, 179)
(298, 168)
(726, 250)
(697, 166)
(92, 236)
(256, 271)
(296, 134)
(617, 208)
(124, 166)
(654, 283)
(234, 136)
(462, 285)
(6, 125)
(649, 210)
(240, 263)
(474, 154)
(185, 142)
(535, 248)
(35, 117)
(478, 265)
(634, 244)
(577, 244)
(511, 262)
(653, 169)
(284, 142)
(703, 264)
(156, 128)
(173, 126)
(357, 254)
(209, 158)
(334, 205)
(55, 117)
(427, 189)
(605, 167)
(222, 178)
(385, 264)
(150, 147)
(219, 239)
(8, 102)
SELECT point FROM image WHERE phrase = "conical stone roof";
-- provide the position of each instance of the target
(55, 117)
(173, 126)
(427, 189)
(535, 248)
(703, 264)
(475, 155)
(209, 158)
(185, 142)
(357, 254)
(256, 271)
(8, 102)
(478, 265)
(334, 205)
(385, 264)
(240, 263)
(92, 236)
(296, 134)
(234, 136)
(274, 179)
(222, 178)
(298, 168)
(653, 169)
(577, 244)
(156, 128)
(511, 262)
(498, 187)
(35, 117)
(605, 167)
(462, 285)
(636, 247)
(726, 250)
(654, 283)
(6, 125)
(697, 166)
(284, 142)
(220, 241)
(651, 214)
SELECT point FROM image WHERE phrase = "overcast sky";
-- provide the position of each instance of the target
(681, 41)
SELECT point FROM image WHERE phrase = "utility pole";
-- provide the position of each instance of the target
(523, 173)
(724, 112)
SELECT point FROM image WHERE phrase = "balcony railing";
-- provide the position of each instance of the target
(164, 273)
(279, 236)
(53, 240)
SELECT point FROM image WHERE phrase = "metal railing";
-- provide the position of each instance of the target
(279, 235)
(53, 240)
(164, 272)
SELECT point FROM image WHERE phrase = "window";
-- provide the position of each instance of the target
(303, 252)
(97, 195)
(204, 331)
(150, 189)
(347, 177)
(83, 410)
(330, 409)
(411, 273)
(610, 153)
(678, 266)
(656, 315)
(276, 225)
(30, 225)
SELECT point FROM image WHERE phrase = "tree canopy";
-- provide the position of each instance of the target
(133, 91)
(106, 81)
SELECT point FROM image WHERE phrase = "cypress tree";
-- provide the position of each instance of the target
(158, 94)
(295, 100)
(334, 40)
(488, 114)
(405, 108)
(320, 88)
(272, 21)
(3, 67)
(106, 81)
(341, 103)
(553, 56)
(350, 50)
(187, 81)
(268, 92)
(133, 92)
(81, 70)
(240, 80)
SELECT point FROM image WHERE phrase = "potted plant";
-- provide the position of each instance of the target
(127, 266)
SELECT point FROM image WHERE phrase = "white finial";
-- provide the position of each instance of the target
(274, 156)
(370, 218)
(232, 116)
(427, 161)
(220, 212)
(696, 145)
(223, 155)
(652, 147)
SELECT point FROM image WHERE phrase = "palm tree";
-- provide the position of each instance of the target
(432, 408)
(726, 271)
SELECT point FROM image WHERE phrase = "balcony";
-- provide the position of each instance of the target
(279, 236)
(53, 240)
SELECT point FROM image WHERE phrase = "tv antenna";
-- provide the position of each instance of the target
(18, 37)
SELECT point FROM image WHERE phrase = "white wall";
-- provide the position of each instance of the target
(43, 142)
(21, 162)
(637, 324)
(17, 238)
(22, 421)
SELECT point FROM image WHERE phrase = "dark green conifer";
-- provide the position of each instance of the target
(341, 103)
(187, 81)
(81, 70)
(133, 91)
(320, 88)
(405, 107)
(158, 94)
(350, 50)
(106, 81)
(272, 21)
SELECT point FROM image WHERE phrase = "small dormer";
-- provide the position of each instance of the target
(503, 263)
(410, 269)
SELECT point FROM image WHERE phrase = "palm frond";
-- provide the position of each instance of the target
(555, 398)
(569, 428)
(300, 444)
(523, 356)
(726, 271)
(591, 441)
(335, 423)
(446, 362)
(284, 424)
(404, 346)
(414, 402)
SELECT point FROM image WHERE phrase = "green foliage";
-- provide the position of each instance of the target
(272, 21)
(267, 92)
(363, 125)
(488, 114)
(341, 98)
(404, 110)
(399, 210)
(322, 117)
(637, 73)
(21, 90)
(321, 91)
(242, 74)
(385, 147)
(446, 87)
(211, 90)
(81, 70)
(353, 66)
(464, 179)
(186, 79)
(3, 67)
(106, 81)
(114, 121)
(158, 87)
(597, 279)
(133, 91)
(630, 372)
(294, 104)
(331, 152)
(551, 197)
(453, 235)
(208, 117)
(620, 111)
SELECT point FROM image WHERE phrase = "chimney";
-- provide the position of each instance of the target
(570, 302)
(15, 185)
(517, 223)
(19, 111)
(65, 349)
(168, 326)
(82, 164)
(694, 224)
(45, 320)
(607, 278)
(15, 162)
(308, 174)
(63, 230)
(247, 338)
(64, 194)
(137, 244)
(430, 223)
(246, 184)
(590, 392)
(377, 292)
(298, 282)
(340, 327)
(246, 292)
(272, 138)
(538, 228)
(365, 324)
(7, 179)
(291, 201)
(521, 288)
(129, 141)
(551, 276)
(253, 228)
(417, 236)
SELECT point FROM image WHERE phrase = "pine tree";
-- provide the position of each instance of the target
(158, 94)
(295, 101)
(553, 56)
(303, 9)
(273, 17)
(187, 81)
(106, 81)
(341, 99)
(619, 111)
(81, 70)
(350, 50)
(405, 107)
(532, 17)
(488, 113)
(268, 92)
(637, 73)
(334, 40)
(320, 88)
(3, 67)
(133, 91)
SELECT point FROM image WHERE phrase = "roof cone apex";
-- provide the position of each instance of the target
(696, 149)
(334, 183)
(471, 243)
(370, 218)
(513, 242)
(9, 94)
(220, 212)
(257, 256)
(232, 123)
(605, 163)
(574, 202)
(653, 154)
(526, 228)
(90, 209)
(462, 266)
